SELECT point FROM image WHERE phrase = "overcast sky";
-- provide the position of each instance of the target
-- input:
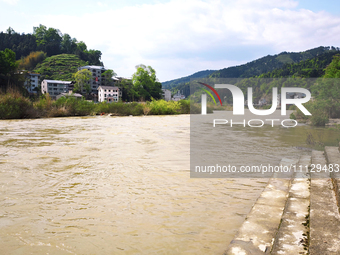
(180, 37)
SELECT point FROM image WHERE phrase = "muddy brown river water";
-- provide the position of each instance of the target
(119, 185)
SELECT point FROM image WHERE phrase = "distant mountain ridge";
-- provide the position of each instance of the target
(173, 83)
(309, 63)
(269, 63)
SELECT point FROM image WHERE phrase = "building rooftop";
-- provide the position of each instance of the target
(71, 94)
(108, 87)
(34, 74)
(92, 67)
(60, 82)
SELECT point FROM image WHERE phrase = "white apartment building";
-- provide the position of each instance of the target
(32, 82)
(97, 78)
(109, 94)
(166, 94)
(54, 87)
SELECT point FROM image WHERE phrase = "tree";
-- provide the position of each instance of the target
(128, 90)
(146, 83)
(81, 46)
(333, 69)
(82, 78)
(8, 66)
(327, 90)
(108, 75)
(93, 56)
(30, 62)
(48, 40)
(39, 33)
(68, 45)
(10, 31)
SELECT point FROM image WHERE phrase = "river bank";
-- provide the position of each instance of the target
(14, 106)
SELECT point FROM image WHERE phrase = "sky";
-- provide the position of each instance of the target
(180, 37)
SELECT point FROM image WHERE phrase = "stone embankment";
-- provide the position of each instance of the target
(298, 214)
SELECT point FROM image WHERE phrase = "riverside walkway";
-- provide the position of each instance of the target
(295, 215)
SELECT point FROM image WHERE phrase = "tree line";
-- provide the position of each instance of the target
(48, 40)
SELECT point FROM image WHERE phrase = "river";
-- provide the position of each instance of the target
(120, 185)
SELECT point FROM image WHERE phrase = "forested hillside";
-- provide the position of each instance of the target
(310, 68)
(49, 40)
(307, 64)
(270, 63)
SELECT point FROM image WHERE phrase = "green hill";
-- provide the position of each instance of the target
(311, 68)
(270, 63)
(59, 67)
(173, 83)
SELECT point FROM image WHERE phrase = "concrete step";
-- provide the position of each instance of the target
(333, 159)
(257, 233)
(293, 234)
(324, 212)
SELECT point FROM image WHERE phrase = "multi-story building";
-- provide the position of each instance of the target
(109, 94)
(32, 82)
(54, 87)
(97, 78)
(166, 94)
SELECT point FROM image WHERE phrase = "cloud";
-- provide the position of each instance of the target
(12, 2)
(175, 36)
(100, 4)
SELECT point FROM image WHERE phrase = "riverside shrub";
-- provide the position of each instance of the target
(74, 106)
(15, 106)
(162, 107)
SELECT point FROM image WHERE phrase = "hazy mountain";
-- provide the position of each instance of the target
(173, 83)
